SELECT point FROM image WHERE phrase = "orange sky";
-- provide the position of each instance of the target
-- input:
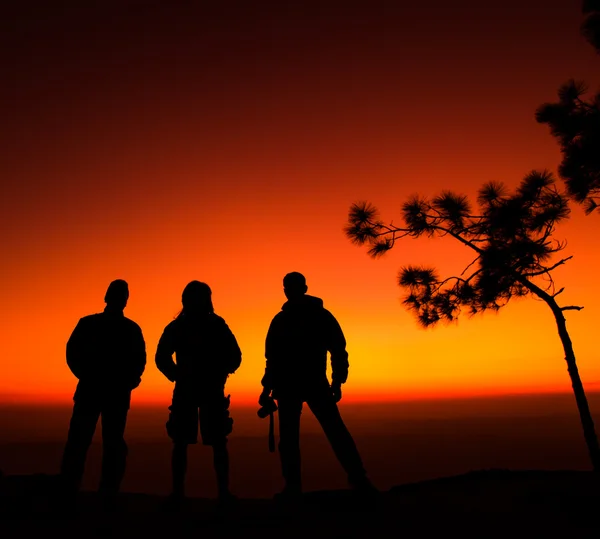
(165, 143)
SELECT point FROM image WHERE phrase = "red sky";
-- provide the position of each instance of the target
(161, 142)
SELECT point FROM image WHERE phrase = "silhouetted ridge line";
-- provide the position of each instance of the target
(492, 474)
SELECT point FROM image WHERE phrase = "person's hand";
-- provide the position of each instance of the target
(336, 391)
(265, 397)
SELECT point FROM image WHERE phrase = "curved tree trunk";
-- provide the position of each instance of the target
(589, 432)
(587, 422)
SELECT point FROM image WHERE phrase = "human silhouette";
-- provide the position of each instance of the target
(107, 353)
(297, 342)
(206, 353)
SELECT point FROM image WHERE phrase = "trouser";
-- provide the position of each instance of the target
(220, 461)
(86, 412)
(327, 413)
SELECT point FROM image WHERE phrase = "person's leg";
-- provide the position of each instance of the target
(327, 413)
(179, 468)
(182, 428)
(81, 431)
(290, 411)
(215, 425)
(221, 464)
(114, 448)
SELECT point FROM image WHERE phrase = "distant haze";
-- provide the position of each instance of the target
(399, 442)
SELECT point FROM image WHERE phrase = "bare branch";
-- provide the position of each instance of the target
(387, 229)
(465, 242)
(559, 292)
(440, 284)
(547, 270)
(571, 308)
(448, 279)
(403, 235)
(463, 271)
(478, 240)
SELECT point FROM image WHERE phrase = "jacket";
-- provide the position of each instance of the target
(107, 353)
(206, 352)
(296, 347)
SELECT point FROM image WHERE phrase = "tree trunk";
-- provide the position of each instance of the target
(589, 432)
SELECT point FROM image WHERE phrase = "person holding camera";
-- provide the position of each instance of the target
(206, 354)
(296, 347)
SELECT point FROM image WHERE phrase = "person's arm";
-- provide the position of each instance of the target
(336, 344)
(138, 356)
(164, 355)
(233, 352)
(76, 350)
(271, 354)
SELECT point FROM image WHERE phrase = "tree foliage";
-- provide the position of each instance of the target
(511, 236)
(575, 123)
(591, 24)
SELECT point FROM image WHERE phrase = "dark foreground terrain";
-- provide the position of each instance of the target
(492, 503)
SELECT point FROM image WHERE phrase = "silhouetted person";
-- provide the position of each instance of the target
(107, 353)
(297, 343)
(206, 353)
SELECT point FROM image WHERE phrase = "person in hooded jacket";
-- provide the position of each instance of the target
(206, 353)
(107, 353)
(296, 347)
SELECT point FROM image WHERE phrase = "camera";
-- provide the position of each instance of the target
(267, 408)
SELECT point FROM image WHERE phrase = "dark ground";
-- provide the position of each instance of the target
(400, 443)
(492, 503)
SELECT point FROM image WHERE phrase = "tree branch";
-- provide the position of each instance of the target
(547, 270)
(571, 308)
(463, 271)
(457, 279)
(387, 229)
(459, 238)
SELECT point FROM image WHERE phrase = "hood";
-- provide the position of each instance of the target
(303, 303)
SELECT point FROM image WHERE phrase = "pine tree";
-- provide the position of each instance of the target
(511, 236)
(575, 122)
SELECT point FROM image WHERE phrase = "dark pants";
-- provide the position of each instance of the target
(86, 411)
(321, 404)
(179, 467)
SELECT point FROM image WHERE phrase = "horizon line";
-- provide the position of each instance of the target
(247, 401)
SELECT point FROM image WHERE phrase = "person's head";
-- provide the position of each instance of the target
(294, 285)
(117, 295)
(197, 299)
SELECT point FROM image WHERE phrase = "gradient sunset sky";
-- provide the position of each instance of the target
(161, 142)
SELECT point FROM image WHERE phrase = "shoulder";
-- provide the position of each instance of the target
(329, 317)
(216, 319)
(90, 320)
(91, 317)
(170, 334)
(280, 323)
(133, 326)
(171, 327)
(279, 317)
(218, 322)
